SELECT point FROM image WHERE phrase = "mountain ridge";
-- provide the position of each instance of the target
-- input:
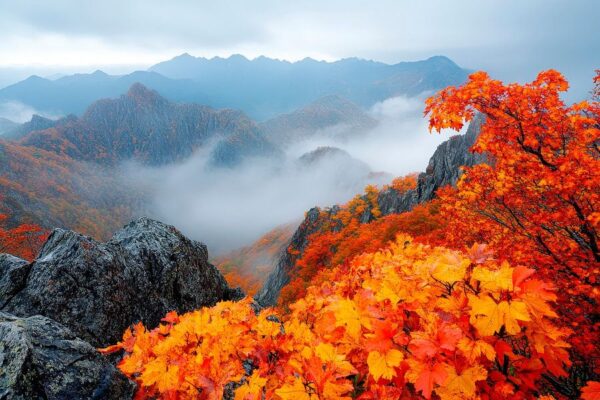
(262, 87)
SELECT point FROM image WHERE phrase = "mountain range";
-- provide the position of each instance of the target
(65, 172)
(263, 88)
(143, 126)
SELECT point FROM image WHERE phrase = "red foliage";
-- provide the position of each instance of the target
(537, 202)
(23, 241)
(249, 266)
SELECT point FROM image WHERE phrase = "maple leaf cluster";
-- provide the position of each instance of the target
(537, 200)
(408, 321)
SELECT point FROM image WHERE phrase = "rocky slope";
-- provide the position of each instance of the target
(41, 359)
(443, 169)
(80, 294)
(143, 126)
(53, 190)
(98, 289)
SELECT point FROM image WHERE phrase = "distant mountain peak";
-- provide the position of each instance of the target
(141, 93)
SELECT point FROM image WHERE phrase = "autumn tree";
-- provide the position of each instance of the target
(411, 321)
(536, 201)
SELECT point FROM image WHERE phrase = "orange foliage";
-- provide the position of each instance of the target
(249, 266)
(69, 193)
(23, 241)
(537, 203)
(344, 236)
(372, 319)
(408, 322)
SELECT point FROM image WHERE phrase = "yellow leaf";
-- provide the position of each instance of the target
(463, 386)
(494, 280)
(450, 267)
(383, 365)
(488, 317)
(473, 349)
(252, 389)
(293, 391)
(347, 315)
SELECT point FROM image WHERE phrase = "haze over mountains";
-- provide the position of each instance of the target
(263, 88)
(193, 140)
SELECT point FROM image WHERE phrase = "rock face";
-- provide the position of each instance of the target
(99, 289)
(41, 359)
(444, 169)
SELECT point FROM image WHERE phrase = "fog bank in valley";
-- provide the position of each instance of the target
(230, 208)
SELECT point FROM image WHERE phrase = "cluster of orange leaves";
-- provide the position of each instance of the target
(408, 321)
(537, 201)
(342, 234)
(23, 241)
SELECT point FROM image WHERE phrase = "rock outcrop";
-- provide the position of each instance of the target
(444, 169)
(99, 289)
(41, 359)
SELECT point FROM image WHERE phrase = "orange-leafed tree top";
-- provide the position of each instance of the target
(411, 321)
(537, 200)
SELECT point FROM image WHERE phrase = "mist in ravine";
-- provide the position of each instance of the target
(229, 208)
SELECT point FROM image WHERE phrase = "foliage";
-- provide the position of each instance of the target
(248, 267)
(354, 228)
(411, 321)
(536, 202)
(23, 241)
(435, 315)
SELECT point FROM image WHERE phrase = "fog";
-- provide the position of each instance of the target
(400, 144)
(230, 208)
(19, 112)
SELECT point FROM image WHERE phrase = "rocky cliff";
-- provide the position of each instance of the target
(41, 359)
(444, 169)
(99, 289)
(80, 294)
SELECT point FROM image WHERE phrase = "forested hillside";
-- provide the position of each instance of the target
(493, 294)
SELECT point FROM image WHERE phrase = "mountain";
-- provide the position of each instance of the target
(265, 86)
(331, 115)
(444, 169)
(53, 190)
(144, 126)
(37, 123)
(73, 94)
(7, 125)
(262, 88)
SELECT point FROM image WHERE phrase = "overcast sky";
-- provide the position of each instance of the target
(513, 39)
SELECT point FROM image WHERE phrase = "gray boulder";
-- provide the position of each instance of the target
(41, 359)
(99, 289)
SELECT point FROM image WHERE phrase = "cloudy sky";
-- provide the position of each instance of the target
(510, 38)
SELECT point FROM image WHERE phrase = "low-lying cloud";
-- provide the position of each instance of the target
(400, 144)
(230, 208)
(19, 112)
